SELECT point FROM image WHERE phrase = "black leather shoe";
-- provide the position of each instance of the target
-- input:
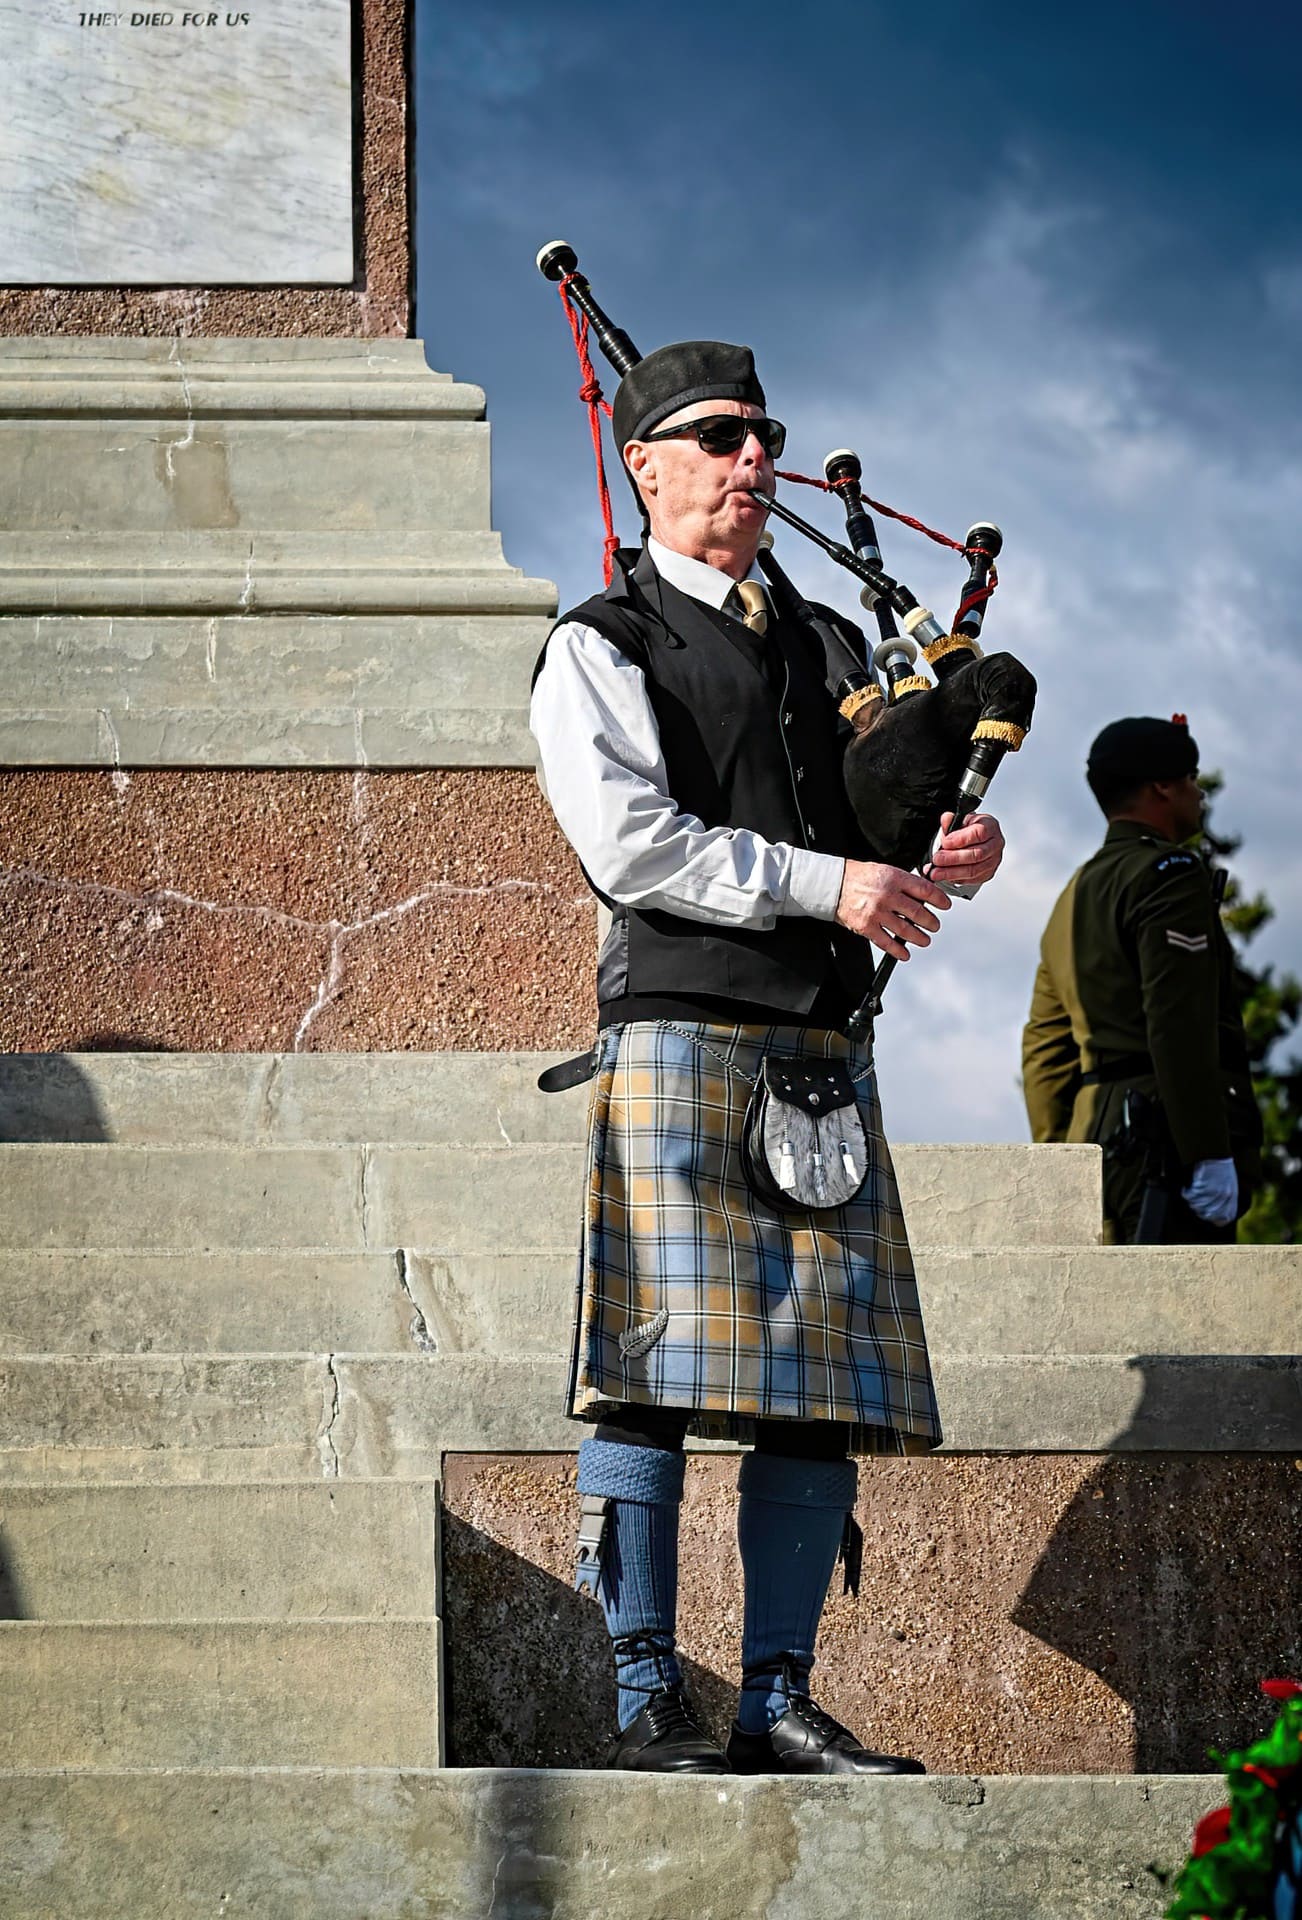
(807, 1740)
(665, 1738)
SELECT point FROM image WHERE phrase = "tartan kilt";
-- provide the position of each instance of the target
(730, 1309)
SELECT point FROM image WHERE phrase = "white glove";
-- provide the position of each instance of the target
(1213, 1192)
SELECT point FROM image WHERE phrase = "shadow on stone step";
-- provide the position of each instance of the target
(1176, 1577)
(47, 1097)
(528, 1674)
(11, 1598)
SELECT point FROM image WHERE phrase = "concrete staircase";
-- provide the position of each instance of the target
(248, 1305)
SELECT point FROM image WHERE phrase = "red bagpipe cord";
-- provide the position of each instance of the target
(591, 396)
(975, 599)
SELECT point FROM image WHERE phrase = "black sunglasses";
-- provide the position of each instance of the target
(727, 432)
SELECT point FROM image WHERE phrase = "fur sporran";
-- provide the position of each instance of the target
(803, 1146)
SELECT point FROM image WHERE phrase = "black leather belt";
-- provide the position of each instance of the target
(1127, 1066)
(570, 1073)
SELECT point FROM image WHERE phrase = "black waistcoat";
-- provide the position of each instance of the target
(751, 738)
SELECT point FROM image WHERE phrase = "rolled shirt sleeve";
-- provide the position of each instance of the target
(606, 780)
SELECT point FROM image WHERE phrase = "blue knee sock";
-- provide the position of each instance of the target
(638, 1586)
(790, 1519)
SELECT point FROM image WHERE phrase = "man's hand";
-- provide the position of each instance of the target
(1213, 1192)
(890, 907)
(972, 854)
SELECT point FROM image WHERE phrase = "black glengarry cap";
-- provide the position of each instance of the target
(678, 376)
(1143, 749)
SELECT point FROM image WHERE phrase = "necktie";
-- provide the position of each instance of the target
(755, 605)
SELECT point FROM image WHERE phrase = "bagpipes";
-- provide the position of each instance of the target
(918, 748)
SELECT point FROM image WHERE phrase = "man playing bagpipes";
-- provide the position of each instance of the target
(745, 1271)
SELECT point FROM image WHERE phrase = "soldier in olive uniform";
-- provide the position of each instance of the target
(1135, 996)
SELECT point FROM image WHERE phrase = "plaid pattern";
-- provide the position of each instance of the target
(728, 1307)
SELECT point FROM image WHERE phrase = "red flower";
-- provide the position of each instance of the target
(1282, 1689)
(1267, 1779)
(1212, 1830)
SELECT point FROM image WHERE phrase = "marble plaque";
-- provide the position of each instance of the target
(175, 145)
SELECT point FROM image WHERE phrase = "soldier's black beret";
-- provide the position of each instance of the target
(677, 376)
(1143, 749)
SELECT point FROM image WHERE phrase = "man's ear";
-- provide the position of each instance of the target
(641, 463)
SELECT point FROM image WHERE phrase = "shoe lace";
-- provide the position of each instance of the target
(813, 1716)
(671, 1711)
(794, 1670)
(647, 1645)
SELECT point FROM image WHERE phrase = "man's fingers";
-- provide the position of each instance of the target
(911, 915)
(916, 888)
(956, 853)
(888, 943)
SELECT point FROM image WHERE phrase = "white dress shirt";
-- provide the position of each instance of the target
(592, 718)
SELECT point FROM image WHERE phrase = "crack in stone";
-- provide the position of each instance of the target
(501, 1128)
(419, 1329)
(331, 985)
(210, 652)
(274, 916)
(246, 591)
(325, 1444)
(173, 446)
(497, 1875)
(271, 1095)
(120, 780)
(327, 989)
(364, 1195)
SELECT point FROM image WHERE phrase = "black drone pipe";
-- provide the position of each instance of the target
(558, 261)
(894, 655)
(983, 545)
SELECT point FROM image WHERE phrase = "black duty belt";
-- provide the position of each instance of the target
(1127, 1066)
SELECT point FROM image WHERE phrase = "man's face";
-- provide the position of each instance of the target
(1189, 800)
(701, 503)
(1184, 802)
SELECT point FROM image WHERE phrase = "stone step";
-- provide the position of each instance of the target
(464, 1199)
(170, 441)
(981, 1300)
(89, 376)
(185, 1418)
(239, 690)
(168, 1417)
(239, 1302)
(139, 573)
(286, 1099)
(352, 1549)
(343, 1693)
(460, 1845)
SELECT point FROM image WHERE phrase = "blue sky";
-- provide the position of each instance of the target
(1038, 264)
